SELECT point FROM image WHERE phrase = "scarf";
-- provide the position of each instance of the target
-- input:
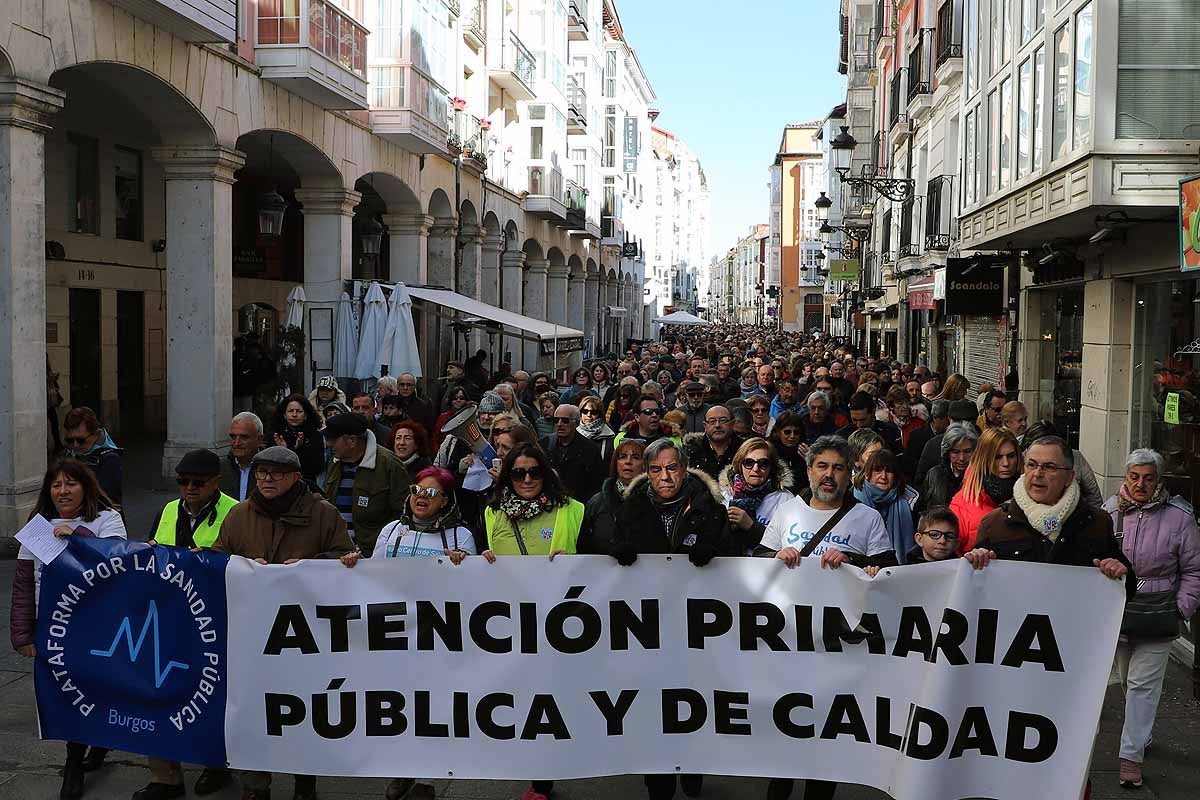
(595, 430)
(518, 508)
(103, 442)
(1047, 520)
(408, 462)
(896, 513)
(1125, 503)
(748, 498)
(1000, 490)
(278, 506)
(449, 518)
(668, 510)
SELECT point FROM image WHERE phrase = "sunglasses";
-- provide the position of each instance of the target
(588, 412)
(521, 473)
(425, 491)
(195, 483)
(566, 420)
(74, 440)
(651, 412)
(763, 464)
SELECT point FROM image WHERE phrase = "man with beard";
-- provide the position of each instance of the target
(694, 407)
(848, 531)
(672, 509)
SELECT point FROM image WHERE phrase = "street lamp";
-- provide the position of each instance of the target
(823, 204)
(896, 189)
(372, 237)
(271, 205)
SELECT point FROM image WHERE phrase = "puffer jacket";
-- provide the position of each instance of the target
(702, 522)
(1163, 544)
(784, 490)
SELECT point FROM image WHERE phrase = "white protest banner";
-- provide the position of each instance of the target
(930, 681)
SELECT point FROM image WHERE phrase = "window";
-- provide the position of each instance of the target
(1039, 104)
(610, 73)
(996, 29)
(128, 167)
(610, 137)
(535, 143)
(993, 142)
(1062, 93)
(1005, 133)
(1082, 103)
(279, 22)
(83, 185)
(1158, 69)
(1025, 118)
(1006, 23)
(971, 21)
(969, 185)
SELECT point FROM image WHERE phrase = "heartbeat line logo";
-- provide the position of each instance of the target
(149, 626)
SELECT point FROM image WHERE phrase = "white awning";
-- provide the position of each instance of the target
(539, 329)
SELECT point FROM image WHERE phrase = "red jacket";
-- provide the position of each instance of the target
(969, 514)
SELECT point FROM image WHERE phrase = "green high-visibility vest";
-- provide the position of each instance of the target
(205, 534)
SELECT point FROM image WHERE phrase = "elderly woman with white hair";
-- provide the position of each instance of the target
(1158, 535)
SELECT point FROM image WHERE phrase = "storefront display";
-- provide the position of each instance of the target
(1165, 411)
(1068, 362)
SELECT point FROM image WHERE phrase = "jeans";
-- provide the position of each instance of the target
(1142, 666)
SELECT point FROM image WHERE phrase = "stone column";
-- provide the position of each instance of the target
(512, 289)
(489, 269)
(328, 226)
(556, 304)
(440, 247)
(1104, 421)
(199, 206)
(25, 110)
(406, 240)
(590, 316)
(576, 288)
(472, 256)
(535, 305)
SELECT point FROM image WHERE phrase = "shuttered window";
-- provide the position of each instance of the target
(1158, 70)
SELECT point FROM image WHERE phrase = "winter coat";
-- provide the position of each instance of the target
(889, 432)
(785, 490)
(577, 464)
(630, 430)
(813, 431)
(551, 531)
(399, 539)
(970, 514)
(796, 407)
(1163, 544)
(604, 443)
(1086, 535)
(701, 521)
(600, 520)
(339, 398)
(27, 579)
(940, 487)
(105, 460)
(1089, 487)
(380, 491)
(694, 420)
(310, 528)
(701, 455)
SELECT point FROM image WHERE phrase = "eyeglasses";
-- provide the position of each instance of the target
(651, 412)
(718, 421)
(758, 410)
(195, 483)
(763, 464)
(407, 385)
(936, 535)
(565, 420)
(519, 474)
(588, 412)
(75, 440)
(425, 491)
(271, 474)
(498, 431)
(1049, 469)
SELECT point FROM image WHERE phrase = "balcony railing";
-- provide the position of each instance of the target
(894, 98)
(473, 21)
(545, 182)
(409, 108)
(937, 242)
(949, 44)
(918, 76)
(519, 61)
(577, 20)
(575, 199)
(468, 136)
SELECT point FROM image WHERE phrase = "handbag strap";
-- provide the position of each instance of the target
(520, 537)
(831, 523)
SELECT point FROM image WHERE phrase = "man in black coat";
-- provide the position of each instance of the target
(415, 407)
(575, 458)
(939, 420)
(713, 450)
(862, 415)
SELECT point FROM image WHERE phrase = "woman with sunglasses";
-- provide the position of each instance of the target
(593, 428)
(623, 406)
(429, 526)
(753, 487)
(507, 433)
(530, 512)
(90, 444)
(71, 498)
(760, 414)
(581, 385)
(456, 398)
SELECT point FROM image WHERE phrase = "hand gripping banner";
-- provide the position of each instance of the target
(928, 681)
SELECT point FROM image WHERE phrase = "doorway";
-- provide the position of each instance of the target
(131, 384)
(85, 349)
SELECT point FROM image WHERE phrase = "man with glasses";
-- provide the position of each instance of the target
(694, 407)
(282, 523)
(646, 426)
(245, 439)
(574, 458)
(1045, 522)
(413, 405)
(993, 405)
(365, 482)
(713, 450)
(193, 521)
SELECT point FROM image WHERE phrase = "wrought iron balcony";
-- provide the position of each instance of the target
(575, 197)
(517, 70)
(910, 250)
(894, 98)
(320, 53)
(468, 136)
(190, 20)
(410, 109)
(455, 7)
(937, 242)
(473, 24)
(919, 82)
(949, 32)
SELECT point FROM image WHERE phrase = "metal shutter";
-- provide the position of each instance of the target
(983, 351)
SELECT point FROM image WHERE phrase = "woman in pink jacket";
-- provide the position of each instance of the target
(994, 470)
(1158, 535)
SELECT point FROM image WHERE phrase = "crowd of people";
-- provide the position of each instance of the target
(731, 441)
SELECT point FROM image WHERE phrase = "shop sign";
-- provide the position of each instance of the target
(629, 161)
(843, 269)
(860, 321)
(1189, 223)
(972, 288)
(921, 300)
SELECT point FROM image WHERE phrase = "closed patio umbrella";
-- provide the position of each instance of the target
(400, 350)
(345, 339)
(370, 340)
(295, 308)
